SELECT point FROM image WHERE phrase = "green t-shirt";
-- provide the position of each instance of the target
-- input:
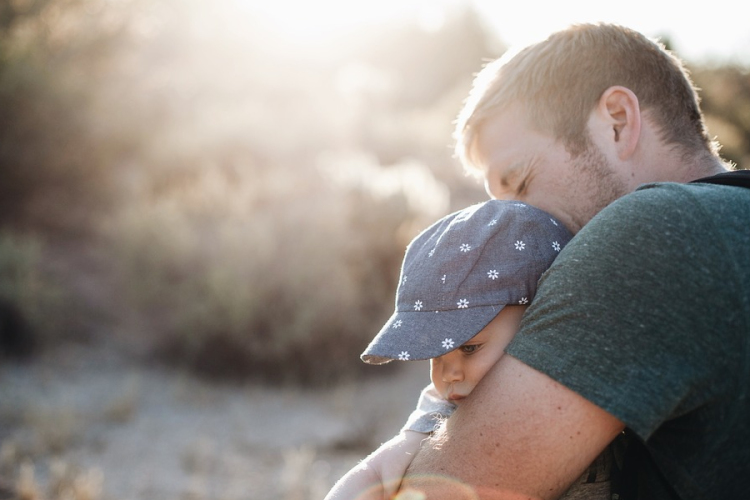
(646, 313)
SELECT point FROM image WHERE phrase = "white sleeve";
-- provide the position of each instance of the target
(431, 410)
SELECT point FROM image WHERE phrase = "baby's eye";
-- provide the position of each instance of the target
(470, 348)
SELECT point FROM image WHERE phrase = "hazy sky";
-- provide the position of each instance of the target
(719, 29)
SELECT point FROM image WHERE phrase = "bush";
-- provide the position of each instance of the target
(31, 305)
(190, 133)
(238, 280)
(53, 156)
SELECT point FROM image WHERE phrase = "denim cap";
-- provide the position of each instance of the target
(459, 273)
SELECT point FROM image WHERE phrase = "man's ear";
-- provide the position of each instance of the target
(620, 114)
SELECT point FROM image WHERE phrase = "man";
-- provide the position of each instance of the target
(643, 322)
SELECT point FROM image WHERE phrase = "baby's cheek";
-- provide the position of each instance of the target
(469, 387)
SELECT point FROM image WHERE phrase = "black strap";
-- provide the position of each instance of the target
(638, 477)
(739, 178)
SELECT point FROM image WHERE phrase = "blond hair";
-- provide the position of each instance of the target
(560, 80)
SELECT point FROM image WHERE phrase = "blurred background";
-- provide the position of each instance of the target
(219, 194)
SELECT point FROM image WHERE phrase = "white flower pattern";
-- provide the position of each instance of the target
(421, 291)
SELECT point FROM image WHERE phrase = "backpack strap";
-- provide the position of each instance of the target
(739, 178)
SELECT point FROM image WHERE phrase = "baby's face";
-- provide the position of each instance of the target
(456, 373)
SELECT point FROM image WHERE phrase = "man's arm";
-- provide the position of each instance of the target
(519, 435)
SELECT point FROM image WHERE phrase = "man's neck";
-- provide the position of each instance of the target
(688, 169)
(706, 166)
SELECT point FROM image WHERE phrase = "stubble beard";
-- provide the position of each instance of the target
(598, 184)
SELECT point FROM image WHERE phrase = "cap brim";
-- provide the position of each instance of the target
(418, 335)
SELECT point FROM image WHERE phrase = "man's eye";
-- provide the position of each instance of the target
(470, 349)
(521, 188)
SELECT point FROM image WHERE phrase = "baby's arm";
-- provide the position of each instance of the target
(379, 475)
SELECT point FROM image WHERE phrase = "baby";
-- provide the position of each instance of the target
(464, 286)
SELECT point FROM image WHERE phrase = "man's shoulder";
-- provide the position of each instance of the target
(673, 203)
(674, 221)
(725, 185)
(648, 209)
(666, 194)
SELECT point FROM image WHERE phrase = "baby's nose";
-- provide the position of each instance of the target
(452, 372)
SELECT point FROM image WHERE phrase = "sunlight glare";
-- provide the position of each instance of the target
(698, 34)
(325, 19)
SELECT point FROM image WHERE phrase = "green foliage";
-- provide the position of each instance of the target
(27, 288)
(19, 268)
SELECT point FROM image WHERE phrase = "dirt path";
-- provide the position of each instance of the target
(91, 425)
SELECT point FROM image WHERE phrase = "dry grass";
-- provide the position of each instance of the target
(200, 459)
(54, 428)
(64, 483)
(124, 405)
(300, 479)
(185, 438)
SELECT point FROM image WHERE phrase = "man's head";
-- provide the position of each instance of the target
(557, 85)
(461, 272)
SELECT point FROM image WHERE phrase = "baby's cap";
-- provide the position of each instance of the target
(459, 273)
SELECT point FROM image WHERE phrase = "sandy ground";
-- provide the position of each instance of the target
(86, 423)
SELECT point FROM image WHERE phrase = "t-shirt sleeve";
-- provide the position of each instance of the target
(618, 316)
(431, 410)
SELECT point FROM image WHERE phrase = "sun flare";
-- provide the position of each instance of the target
(325, 19)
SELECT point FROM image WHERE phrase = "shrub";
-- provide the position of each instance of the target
(52, 154)
(237, 277)
(31, 304)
